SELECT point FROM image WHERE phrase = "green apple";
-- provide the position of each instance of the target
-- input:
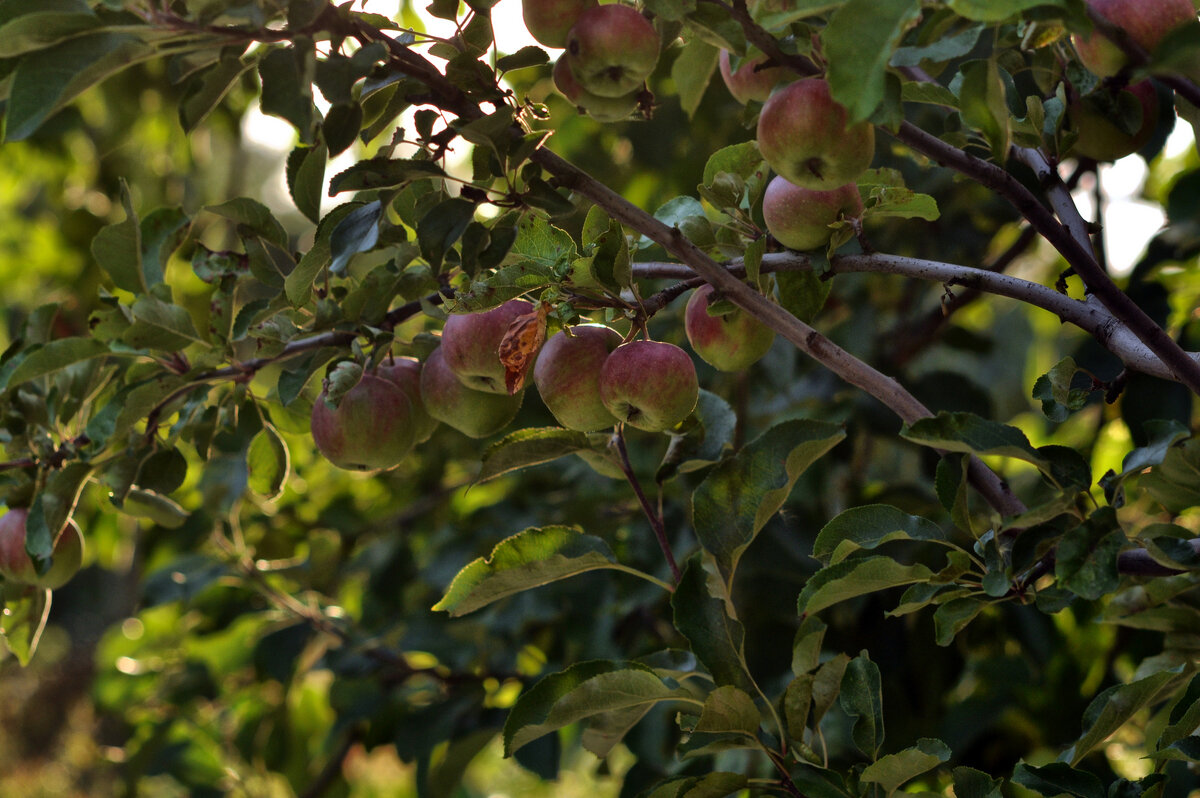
(475, 414)
(803, 135)
(1104, 126)
(612, 50)
(567, 375)
(799, 217)
(1146, 22)
(471, 345)
(371, 428)
(732, 341)
(548, 21)
(650, 385)
(602, 109)
(15, 565)
(406, 372)
(747, 82)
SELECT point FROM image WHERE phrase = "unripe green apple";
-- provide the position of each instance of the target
(803, 135)
(1095, 119)
(406, 372)
(473, 413)
(746, 83)
(1146, 22)
(650, 385)
(15, 565)
(612, 50)
(730, 342)
(371, 429)
(799, 217)
(548, 21)
(567, 375)
(602, 109)
(471, 345)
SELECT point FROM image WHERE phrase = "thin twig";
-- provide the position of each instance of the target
(655, 519)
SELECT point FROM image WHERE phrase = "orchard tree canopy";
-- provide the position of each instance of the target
(708, 398)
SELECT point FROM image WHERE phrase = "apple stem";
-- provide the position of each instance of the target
(655, 518)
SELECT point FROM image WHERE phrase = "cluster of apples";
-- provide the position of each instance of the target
(610, 51)
(18, 569)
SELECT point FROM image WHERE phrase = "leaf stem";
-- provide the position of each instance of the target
(655, 519)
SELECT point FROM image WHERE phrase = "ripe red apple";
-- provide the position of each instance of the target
(799, 217)
(602, 109)
(15, 565)
(471, 345)
(747, 83)
(1094, 118)
(729, 342)
(803, 135)
(612, 50)
(406, 372)
(567, 375)
(548, 21)
(650, 385)
(371, 429)
(1146, 22)
(473, 413)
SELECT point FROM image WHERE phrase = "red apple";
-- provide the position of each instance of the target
(371, 429)
(548, 21)
(471, 345)
(748, 83)
(799, 218)
(406, 372)
(15, 565)
(473, 413)
(567, 375)
(803, 135)
(650, 385)
(1095, 118)
(602, 109)
(1146, 22)
(612, 50)
(729, 342)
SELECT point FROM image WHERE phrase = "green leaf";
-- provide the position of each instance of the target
(529, 559)
(861, 698)
(997, 10)
(827, 685)
(803, 293)
(982, 102)
(287, 75)
(967, 432)
(718, 784)
(117, 248)
(252, 218)
(357, 232)
(728, 709)
(151, 505)
(543, 243)
(583, 691)
(857, 577)
(1059, 778)
(45, 81)
(952, 617)
(529, 447)
(441, 227)
(298, 284)
(715, 638)
(868, 527)
(742, 160)
(163, 230)
(376, 173)
(205, 91)
(1112, 708)
(306, 178)
(528, 56)
(939, 50)
(971, 783)
(740, 495)
(54, 356)
(28, 27)
(267, 462)
(160, 325)
(692, 71)
(22, 620)
(797, 700)
(806, 648)
(893, 770)
(1086, 561)
(859, 40)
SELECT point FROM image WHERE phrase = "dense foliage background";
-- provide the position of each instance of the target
(253, 621)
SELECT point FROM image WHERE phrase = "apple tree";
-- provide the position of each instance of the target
(712, 398)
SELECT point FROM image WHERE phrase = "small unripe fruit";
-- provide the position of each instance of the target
(612, 50)
(803, 135)
(567, 375)
(15, 565)
(730, 342)
(371, 429)
(799, 217)
(747, 83)
(471, 345)
(1094, 119)
(1146, 21)
(473, 413)
(548, 21)
(650, 385)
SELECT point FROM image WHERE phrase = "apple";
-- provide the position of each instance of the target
(1146, 22)
(567, 375)
(371, 429)
(471, 345)
(650, 385)
(799, 217)
(406, 372)
(612, 50)
(732, 341)
(602, 109)
(15, 565)
(475, 414)
(747, 82)
(1094, 117)
(803, 135)
(548, 21)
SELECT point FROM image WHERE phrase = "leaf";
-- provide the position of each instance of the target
(1112, 708)
(718, 784)
(983, 105)
(117, 248)
(742, 160)
(39, 26)
(715, 638)
(827, 685)
(529, 447)
(541, 242)
(152, 505)
(298, 284)
(797, 699)
(939, 50)
(528, 559)
(952, 617)
(441, 227)
(287, 74)
(54, 356)
(728, 709)
(967, 432)
(1086, 560)
(306, 178)
(267, 462)
(206, 91)
(692, 71)
(893, 770)
(858, 577)
(861, 698)
(583, 691)
(22, 619)
(868, 527)
(357, 232)
(520, 344)
(160, 325)
(859, 40)
(252, 218)
(971, 783)
(997, 10)
(802, 293)
(376, 173)
(528, 56)
(740, 495)
(1059, 778)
